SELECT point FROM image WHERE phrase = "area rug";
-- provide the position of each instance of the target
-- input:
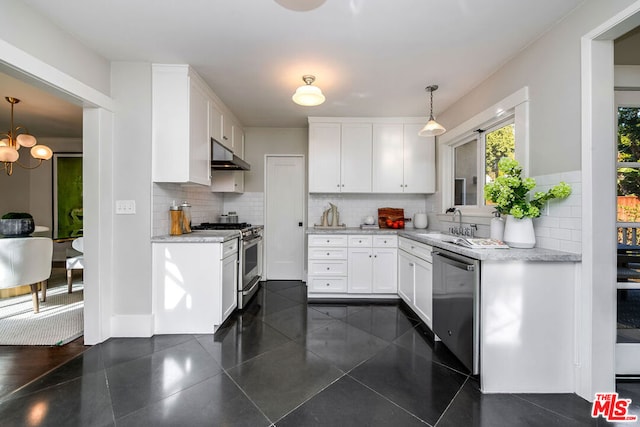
(61, 318)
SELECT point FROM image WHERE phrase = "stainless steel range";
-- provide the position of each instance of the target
(250, 259)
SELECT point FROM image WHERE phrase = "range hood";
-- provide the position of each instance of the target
(223, 159)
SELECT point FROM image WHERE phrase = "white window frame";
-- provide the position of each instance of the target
(516, 105)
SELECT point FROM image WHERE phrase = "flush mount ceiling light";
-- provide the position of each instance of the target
(432, 128)
(308, 95)
(300, 5)
(17, 137)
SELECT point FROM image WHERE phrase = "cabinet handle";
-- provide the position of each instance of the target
(328, 284)
(411, 264)
(328, 268)
(385, 241)
(375, 256)
(338, 185)
(330, 240)
(413, 247)
(343, 185)
(369, 256)
(405, 186)
(225, 138)
(359, 241)
(327, 253)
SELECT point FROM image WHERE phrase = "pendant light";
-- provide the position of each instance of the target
(432, 128)
(308, 95)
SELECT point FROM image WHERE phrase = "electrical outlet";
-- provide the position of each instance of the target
(125, 207)
(544, 211)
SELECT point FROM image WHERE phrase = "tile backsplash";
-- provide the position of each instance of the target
(353, 208)
(205, 205)
(249, 206)
(560, 225)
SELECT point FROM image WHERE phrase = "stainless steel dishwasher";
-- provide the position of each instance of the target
(456, 305)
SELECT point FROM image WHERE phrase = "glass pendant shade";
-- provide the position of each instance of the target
(308, 95)
(41, 152)
(26, 140)
(8, 154)
(432, 128)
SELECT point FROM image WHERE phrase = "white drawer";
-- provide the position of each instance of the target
(416, 248)
(327, 253)
(327, 284)
(327, 240)
(360, 241)
(327, 268)
(390, 241)
(229, 247)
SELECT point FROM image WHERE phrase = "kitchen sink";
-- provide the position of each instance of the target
(439, 236)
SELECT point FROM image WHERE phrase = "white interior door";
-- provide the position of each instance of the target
(628, 232)
(284, 217)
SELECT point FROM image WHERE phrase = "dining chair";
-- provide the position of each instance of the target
(75, 262)
(26, 261)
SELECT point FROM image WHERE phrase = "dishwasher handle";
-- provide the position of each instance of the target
(454, 262)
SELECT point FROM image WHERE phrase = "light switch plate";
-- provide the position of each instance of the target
(125, 207)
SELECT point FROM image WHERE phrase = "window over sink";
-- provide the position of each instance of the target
(469, 153)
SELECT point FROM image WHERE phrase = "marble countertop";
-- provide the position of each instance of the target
(511, 254)
(199, 236)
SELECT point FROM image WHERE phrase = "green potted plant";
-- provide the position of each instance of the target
(509, 192)
(16, 224)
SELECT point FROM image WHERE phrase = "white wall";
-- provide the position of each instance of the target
(28, 30)
(131, 91)
(260, 141)
(550, 67)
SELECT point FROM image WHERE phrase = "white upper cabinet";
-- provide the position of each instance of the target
(355, 158)
(180, 133)
(215, 122)
(419, 161)
(385, 155)
(388, 158)
(227, 132)
(324, 157)
(237, 140)
(403, 162)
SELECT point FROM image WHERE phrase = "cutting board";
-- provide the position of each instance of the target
(393, 214)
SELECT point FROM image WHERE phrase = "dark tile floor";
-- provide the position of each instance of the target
(285, 363)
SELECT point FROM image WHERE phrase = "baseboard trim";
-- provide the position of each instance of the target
(132, 326)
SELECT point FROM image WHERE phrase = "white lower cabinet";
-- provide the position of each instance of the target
(352, 266)
(415, 278)
(194, 286)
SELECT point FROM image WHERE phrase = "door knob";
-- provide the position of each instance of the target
(300, 224)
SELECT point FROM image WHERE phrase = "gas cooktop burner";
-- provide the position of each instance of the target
(221, 226)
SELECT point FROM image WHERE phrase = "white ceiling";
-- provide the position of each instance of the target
(371, 58)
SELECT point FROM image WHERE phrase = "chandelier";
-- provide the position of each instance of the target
(19, 137)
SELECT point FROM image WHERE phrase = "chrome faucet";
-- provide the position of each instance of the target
(460, 230)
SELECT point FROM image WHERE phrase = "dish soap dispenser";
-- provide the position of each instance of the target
(497, 226)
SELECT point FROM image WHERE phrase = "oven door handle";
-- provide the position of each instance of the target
(251, 242)
(246, 292)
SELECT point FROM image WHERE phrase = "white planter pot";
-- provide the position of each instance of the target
(518, 233)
